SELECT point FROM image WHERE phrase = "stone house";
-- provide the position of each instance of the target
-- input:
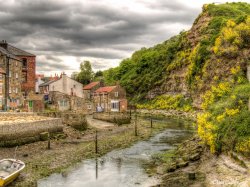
(88, 92)
(110, 99)
(34, 102)
(64, 102)
(89, 89)
(2, 91)
(11, 95)
(28, 60)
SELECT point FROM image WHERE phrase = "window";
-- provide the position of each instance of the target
(116, 94)
(63, 103)
(24, 63)
(1, 88)
(16, 75)
(1, 77)
(89, 107)
(16, 63)
(9, 73)
(16, 90)
(115, 105)
(9, 90)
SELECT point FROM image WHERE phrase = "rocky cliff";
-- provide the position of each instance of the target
(215, 49)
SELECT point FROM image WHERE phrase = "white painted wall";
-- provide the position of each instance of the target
(66, 85)
(38, 82)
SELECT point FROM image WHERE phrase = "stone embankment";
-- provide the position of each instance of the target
(113, 117)
(192, 164)
(22, 128)
(168, 113)
(75, 120)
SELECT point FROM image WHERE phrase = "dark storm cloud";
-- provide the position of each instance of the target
(88, 28)
(49, 63)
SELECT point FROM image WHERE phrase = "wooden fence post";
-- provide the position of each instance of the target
(136, 134)
(48, 140)
(96, 142)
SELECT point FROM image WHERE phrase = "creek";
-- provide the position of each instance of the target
(123, 168)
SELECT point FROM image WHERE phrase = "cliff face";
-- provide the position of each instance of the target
(215, 49)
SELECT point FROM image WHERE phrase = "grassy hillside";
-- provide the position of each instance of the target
(202, 68)
(183, 63)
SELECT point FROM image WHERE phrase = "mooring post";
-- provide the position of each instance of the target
(96, 167)
(151, 122)
(191, 176)
(96, 143)
(48, 140)
(136, 134)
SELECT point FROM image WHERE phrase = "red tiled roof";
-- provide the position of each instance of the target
(90, 85)
(2, 71)
(105, 89)
(39, 75)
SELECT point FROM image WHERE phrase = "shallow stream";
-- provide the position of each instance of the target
(123, 168)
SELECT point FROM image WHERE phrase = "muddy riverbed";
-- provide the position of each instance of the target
(122, 167)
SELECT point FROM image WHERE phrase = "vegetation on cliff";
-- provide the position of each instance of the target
(205, 68)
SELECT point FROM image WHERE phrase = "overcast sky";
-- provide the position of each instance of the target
(64, 33)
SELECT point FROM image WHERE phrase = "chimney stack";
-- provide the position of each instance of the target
(4, 44)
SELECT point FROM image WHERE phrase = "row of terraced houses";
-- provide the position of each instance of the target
(21, 88)
(17, 75)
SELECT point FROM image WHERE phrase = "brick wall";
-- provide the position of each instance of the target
(30, 84)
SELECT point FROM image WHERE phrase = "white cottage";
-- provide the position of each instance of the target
(68, 86)
(63, 93)
(64, 85)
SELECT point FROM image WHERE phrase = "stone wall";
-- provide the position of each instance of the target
(114, 117)
(19, 132)
(64, 102)
(75, 120)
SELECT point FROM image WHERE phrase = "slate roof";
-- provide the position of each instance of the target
(90, 85)
(6, 52)
(18, 52)
(48, 83)
(105, 89)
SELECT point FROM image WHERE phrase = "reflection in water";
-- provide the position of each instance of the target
(121, 167)
(96, 168)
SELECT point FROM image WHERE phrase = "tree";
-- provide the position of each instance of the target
(74, 75)
(85, 75)
(99, 73)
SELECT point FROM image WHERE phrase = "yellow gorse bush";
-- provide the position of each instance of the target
(215, 92)
(167, 102)
(205, 130)
(232, 37)
(244, 146)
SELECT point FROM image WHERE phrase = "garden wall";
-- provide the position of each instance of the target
(75, 120)
(16, 132)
